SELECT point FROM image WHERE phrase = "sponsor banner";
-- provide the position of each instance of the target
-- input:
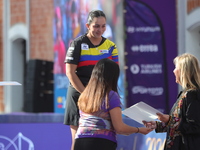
(27, 135)
(146, 56)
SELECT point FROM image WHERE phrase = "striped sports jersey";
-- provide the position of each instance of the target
(85, 55)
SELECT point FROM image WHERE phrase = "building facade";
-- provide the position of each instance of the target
(25, 33)
(188, 24)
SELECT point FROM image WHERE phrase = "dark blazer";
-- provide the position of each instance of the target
(183, 128)
(190, 122)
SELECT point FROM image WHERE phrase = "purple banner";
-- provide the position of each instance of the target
(56, 136)
(34, 136)
(147, 72)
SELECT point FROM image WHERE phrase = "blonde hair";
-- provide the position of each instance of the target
(189, 71)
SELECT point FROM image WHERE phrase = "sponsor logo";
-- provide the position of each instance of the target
(135, 69)
(154, 91)
(104, 51)
(70, 50)
(69, 58)
(132, 29)
(84, 46)
(146, 69)
(151, 69)
(145, 48)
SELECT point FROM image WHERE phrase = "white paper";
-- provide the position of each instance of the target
(140, 112)
(3, 83)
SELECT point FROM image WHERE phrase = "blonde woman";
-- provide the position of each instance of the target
(183, 122)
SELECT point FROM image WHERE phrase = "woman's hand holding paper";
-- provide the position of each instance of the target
(163, 117)
(150, 124)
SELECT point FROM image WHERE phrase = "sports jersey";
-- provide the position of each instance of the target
(98, 124)
(85, 55)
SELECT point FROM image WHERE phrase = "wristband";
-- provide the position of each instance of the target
(137, 130)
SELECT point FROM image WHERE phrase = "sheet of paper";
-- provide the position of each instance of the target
(141, 111)
(3, 83)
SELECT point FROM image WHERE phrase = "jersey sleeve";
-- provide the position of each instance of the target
(114, 100)
(73, 53)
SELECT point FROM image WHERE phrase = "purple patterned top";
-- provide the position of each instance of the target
(98, 124)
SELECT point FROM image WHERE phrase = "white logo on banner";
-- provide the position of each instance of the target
(15, 143)
(135, 69)
(131, 29)
(145, 48)
(154, 143)
(151, 68)
(155, 91)
(146, 69)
